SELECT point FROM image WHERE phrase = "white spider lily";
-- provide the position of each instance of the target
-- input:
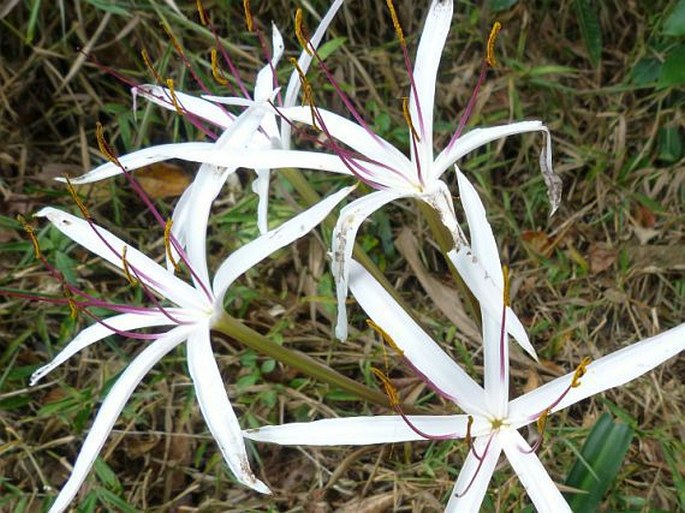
(252, 131)
(492, 429)
(491, 422)
(196, 309)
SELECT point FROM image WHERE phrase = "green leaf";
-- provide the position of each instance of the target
(670, 144)
(675, 23)
(673, 70)
(588, 21)
(646, 71)
(502, 5)
(106, 475)
(598, 464)
(331, 46)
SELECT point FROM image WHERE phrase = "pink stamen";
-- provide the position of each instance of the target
(469, 106)
(480, 465)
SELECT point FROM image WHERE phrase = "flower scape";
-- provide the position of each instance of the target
(230, 357)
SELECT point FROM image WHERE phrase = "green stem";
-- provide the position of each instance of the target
(232, 327)
(310, 196)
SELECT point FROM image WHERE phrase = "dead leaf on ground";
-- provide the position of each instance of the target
(376, 504)
(657, 258)
(602, 257)
(645, 217)
(445, 298)
(538, 241)
(163, 180)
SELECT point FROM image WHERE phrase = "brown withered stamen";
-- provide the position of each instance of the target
(248, 15)
(407, 119)
(301, 31)
(396, 22)
(167, 244)
(79, 202)
(150, 67)
(492, 38)
(32, 235)
(216, 71)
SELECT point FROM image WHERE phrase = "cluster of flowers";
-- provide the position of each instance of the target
(258, 137)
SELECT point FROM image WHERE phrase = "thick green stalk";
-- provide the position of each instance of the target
(310, 196)
(232, 327)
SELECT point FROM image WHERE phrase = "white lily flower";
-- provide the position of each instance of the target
(254, 130)
(491, 428)
(195, 310)
(491, 422)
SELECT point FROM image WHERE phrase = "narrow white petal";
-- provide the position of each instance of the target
(141, 158)
(541, 489)
(344, 235)
(179, 219)
(489, 296)
(217, 410)
(361, 430)
(369, 145)
(110, 410)
(208, 153)
(303, 62)
(97, 331)
(108, 246)
(422, 352)
(479, 137)
(249, 255)
(194, 105)
(260, 186)
(608, 372)
(427, 60)
(481, 237)
(495, 349)
(208, 182)
(495, 366)
(475, 475)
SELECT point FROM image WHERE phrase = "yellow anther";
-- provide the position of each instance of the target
(216, 72)
(248, 15)
(542, 421)
(490, 52)
(384, 335)
(407, 119)
(126, 268)
(201, 12)
(396, 22)
(580, 372)
(105, 149)
(79, 202)
(507, 285)
(150, 67)
(167, 244)
(174, 98)
(307, 92)
(29, 230)
(390, 389)
(301, 31)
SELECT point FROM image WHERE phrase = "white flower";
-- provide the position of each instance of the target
(195, 310)
(491, 422)
(255, 129)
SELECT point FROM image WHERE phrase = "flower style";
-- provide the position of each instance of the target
(491, 422)
(254, 130)
(196, 310)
